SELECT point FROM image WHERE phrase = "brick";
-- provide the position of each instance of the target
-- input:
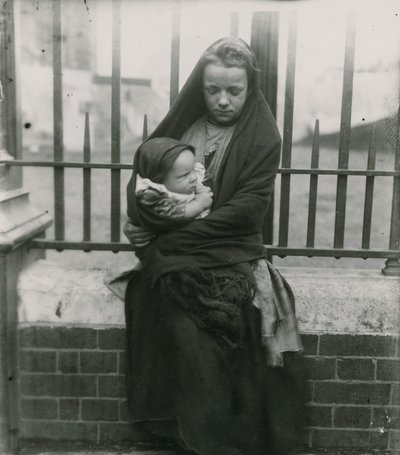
(58, 385)
(122, 363)
(58, 337)
(318, 368)
(306, 441)
(112, 339)
(360, 369)
(38, 361)
(357, 345)
(350, 393)
(354, 439)
(388, 370)
(310, 344)
(318, 416)
(394, 441)
(98, 362)
(39, 408)
(395, 394)
(4, 428)
(309, 391)
(100, 409)
(122, 432)
(352, 417)
(68, 362)
(69, 409)
(123, 411)
(60, 431)
(112, 386)
(387, 418)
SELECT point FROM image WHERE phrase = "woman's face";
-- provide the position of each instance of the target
(225, 92)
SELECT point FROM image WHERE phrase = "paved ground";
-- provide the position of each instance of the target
(143, 449)
(172, 452)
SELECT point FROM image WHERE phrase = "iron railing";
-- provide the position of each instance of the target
(263, 31)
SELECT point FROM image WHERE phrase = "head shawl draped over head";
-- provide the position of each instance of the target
(231, 233)
(153, 159)
(190, 105)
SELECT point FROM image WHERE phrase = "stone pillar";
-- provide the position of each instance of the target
(19, 222)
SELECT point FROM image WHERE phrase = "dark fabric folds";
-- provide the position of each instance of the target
(220, 401)
(213, 300)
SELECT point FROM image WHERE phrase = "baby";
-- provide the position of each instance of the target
(169, 181)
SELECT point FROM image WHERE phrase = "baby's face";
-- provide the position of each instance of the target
(182, 178)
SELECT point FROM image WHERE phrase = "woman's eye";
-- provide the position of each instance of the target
(235, 92)
(212, 90)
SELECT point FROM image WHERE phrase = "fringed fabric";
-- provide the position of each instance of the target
(212, 299)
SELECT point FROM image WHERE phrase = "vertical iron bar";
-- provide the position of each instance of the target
(116, 121)
(175, 49)
(312, 203)
(10, 117)
(287, 132)
(59, 209)
(11, 263)
(265, 41)
(392, 266)
(87, 182)
(145, 128)
(345, 128)
(394, 242)
(369, 192)
(234, 32)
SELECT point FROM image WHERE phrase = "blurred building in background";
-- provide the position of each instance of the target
(145, 64)
(84, 88)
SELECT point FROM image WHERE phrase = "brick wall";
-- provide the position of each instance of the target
(72, 388)
(72, 384)
(353, 391)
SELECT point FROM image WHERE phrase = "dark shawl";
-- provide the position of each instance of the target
(231, 234)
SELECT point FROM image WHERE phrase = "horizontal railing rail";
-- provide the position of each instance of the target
(115, 247)
(300, 171)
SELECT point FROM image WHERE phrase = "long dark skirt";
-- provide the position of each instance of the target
(222, 400)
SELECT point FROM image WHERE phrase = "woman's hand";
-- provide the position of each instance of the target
(137, 236)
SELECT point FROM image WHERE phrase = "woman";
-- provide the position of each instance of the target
(204, 380)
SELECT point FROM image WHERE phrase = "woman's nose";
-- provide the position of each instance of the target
(223, 100)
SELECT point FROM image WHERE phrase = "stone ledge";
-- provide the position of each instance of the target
(345, 300)
(327, 300)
